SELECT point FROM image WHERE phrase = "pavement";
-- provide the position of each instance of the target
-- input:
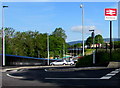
(52, 68)
(10, 68)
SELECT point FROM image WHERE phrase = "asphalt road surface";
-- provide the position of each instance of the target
(82, 78)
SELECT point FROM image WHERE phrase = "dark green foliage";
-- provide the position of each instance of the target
(89, 41)
(102, 58)
(33, 43)
(117, 44)
(59, 32)
(85, 61)
(98, 39)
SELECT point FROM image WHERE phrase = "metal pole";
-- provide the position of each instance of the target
(83, 27)
(110, 39)
(3, 41)
(3, 37)
(48, 47)
(93, 50)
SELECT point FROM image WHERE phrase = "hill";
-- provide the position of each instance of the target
(105, 40)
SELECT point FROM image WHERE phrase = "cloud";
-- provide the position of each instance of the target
(86, 29)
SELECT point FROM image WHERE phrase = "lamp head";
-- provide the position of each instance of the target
(5, 6)
(91, 30)
(81, 6)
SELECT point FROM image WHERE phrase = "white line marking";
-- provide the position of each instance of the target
(45, 69)
(74, 78)
(104, 77)
(111, 74)
(14, 76)
(115, 72)
(108, 76)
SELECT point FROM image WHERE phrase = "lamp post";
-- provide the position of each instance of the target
(48, 47)
(93, 46)
(81, 6)
(3, 37)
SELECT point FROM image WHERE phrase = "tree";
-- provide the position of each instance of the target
(89, 41)
(59, 32)
(99, 39)
(33, 43)
(56, 46)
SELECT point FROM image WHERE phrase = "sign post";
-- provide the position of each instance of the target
(110, 14)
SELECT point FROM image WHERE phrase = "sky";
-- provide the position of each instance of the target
(46, 16)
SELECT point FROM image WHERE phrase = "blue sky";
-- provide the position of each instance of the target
(46, 16)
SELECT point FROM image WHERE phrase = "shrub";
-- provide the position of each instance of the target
(85, 61)
(102, 58)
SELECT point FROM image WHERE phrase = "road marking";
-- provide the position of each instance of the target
(75, 78)
(19, 77)
(115, 72)
(105, 77)
(45, 69)
(117, 69)
(110, 74)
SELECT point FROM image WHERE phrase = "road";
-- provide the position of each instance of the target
(83, 78)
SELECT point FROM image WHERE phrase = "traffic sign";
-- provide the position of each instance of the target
(110, 14)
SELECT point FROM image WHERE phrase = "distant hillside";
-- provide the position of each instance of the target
(105, 40)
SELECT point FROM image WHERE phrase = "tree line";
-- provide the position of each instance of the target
(34, 44)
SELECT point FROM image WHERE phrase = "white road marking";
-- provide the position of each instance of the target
(19, 77)
(105, 77)
(45, 69)
(75, 78)
(110, 74)
(115, 72)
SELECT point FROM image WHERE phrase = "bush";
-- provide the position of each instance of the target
(102, 58)
(116, 55)
(85, 61)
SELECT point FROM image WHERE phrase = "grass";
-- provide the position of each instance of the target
(88, 51)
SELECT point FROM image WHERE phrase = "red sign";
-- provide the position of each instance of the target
(110, 12)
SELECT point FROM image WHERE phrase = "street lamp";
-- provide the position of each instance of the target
(3, 37)
(48, 47)
(81, 6)
(93, 46)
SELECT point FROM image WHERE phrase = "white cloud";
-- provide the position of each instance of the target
(85, 29)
